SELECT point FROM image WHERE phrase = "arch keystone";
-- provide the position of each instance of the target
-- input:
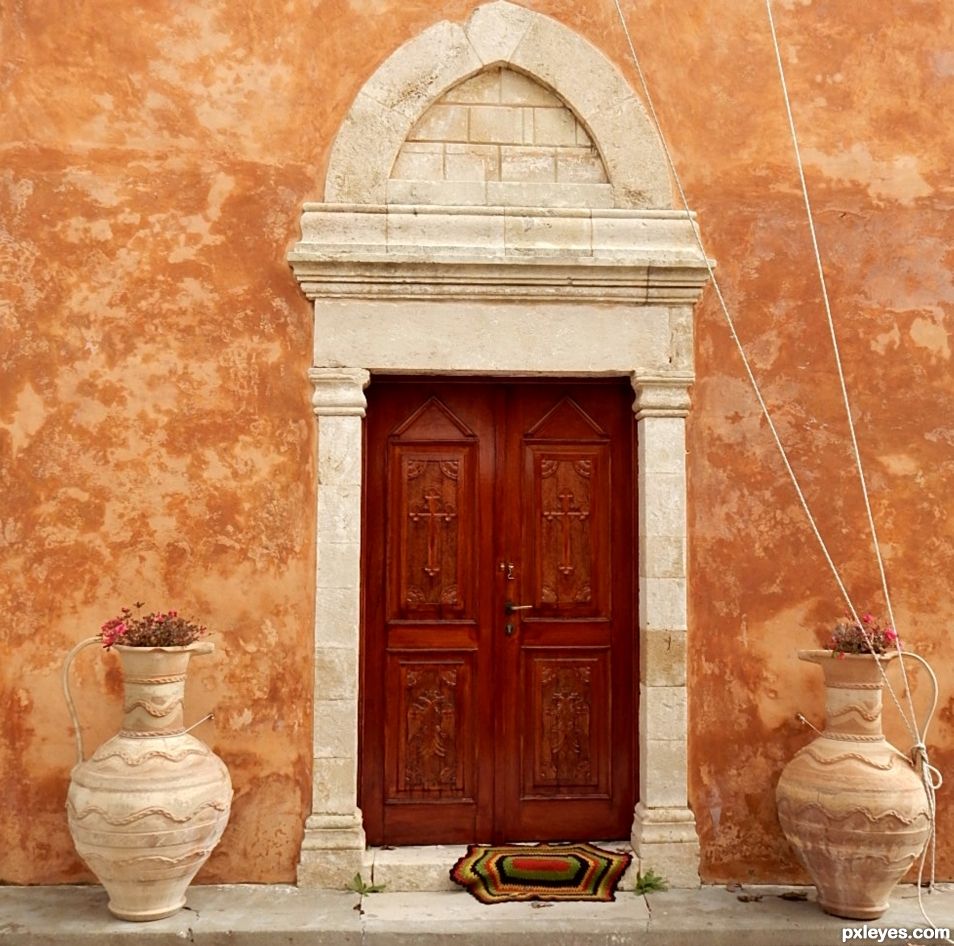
(495, 30)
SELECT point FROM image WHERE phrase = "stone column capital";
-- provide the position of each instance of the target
(661, 395)
(339, 391)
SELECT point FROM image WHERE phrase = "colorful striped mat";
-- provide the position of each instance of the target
(497, 874)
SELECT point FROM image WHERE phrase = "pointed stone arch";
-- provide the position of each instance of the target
(500, 138)
(421, 71)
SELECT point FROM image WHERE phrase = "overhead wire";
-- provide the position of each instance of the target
(838, 364)
(730, 322)
(930, 775)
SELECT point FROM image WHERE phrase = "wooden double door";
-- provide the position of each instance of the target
(499, 647)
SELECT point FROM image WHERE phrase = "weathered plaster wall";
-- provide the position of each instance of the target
(155, 428)
(874, 101)
(157, 442)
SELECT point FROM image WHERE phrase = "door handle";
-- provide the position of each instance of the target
(510, 607)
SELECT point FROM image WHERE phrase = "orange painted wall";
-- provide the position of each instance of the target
(156, 440)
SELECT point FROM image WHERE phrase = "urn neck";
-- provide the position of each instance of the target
(153, 688)
(852, 710)
(853, 693)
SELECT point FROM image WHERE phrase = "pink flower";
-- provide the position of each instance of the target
(112, 631)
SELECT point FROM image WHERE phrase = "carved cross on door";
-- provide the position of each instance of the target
(435, 512)
(566, 513)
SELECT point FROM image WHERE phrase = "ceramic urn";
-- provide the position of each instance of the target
(851, 805)
(147, 808)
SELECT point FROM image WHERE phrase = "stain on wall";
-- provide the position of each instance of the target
(156, 440)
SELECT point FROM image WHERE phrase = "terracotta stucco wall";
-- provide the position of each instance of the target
(156, 441)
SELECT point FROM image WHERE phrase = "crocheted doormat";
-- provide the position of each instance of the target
(539, 872)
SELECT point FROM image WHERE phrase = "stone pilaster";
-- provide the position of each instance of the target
(333, 849)
(664, 832)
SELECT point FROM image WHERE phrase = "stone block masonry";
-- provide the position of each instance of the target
(499, 127)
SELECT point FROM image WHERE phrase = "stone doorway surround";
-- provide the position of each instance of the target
(423, 259)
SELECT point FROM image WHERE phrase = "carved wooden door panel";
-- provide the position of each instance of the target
(497, 672)
(566, 723)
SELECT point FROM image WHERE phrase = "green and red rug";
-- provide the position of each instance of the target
(540, 872)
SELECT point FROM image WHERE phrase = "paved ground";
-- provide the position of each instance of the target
(285, 915)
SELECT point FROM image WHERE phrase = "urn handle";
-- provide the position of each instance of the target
(69, 696)
(935, 691)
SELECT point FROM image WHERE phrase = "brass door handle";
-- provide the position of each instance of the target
(510, 607)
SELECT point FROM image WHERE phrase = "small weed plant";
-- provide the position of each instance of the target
(358, 885)
(650, 882)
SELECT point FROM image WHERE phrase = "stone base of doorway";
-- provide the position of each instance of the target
(409, 869)
(290, 916)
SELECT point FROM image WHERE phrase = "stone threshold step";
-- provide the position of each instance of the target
(428, 867)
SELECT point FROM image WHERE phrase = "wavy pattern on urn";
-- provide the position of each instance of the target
(199, 855)
(795, 811)
(135, 816)
(850, 737)
(823, 759)
(155, 680)
(869, 714)
(153, 707)
(900, 864)
(139, 758)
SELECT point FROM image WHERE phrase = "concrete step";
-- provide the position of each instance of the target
(428, 868)
(287, 916)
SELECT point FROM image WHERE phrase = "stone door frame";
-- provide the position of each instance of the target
(500, 292)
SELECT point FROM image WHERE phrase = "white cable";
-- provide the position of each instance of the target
(731, 323)
(930, 775)
(837, 353)
(912, 727)
(932, 779)
(745, 362)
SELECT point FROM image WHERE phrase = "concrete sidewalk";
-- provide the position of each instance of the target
(273, 915)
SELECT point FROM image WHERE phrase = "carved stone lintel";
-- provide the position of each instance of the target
(339, 391)
(661, 395)
(546, 277)
(420, 251)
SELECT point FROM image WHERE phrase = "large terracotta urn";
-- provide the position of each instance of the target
(851, 805)
(147, 808)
